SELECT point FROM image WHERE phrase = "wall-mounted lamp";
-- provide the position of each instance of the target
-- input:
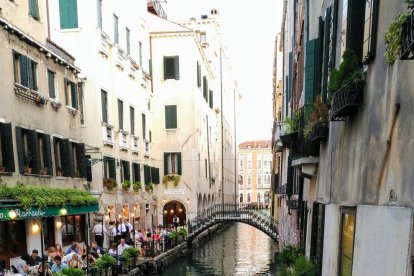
(165, 211)
(180, 210)
(164, 200)
(188, 200)
(106, 217)
(35, 228)
(12, 214)
(172, 211)
(58, 224)
(63, 212)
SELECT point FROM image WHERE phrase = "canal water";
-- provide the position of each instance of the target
(237, 250)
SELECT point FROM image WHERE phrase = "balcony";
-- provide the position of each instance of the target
(289, 140)
(407, 38)
(135, 144)
(292, 204)
(108, 137)
(123, 140)
(277, 131)
(30, 95)
(147, 151)
(319, 132)
(154, 7)
(346, 100)
(281, 190)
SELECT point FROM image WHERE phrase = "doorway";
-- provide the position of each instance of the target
(171, 209)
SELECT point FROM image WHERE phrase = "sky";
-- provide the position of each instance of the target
(249, 29)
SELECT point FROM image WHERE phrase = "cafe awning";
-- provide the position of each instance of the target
(14, 212)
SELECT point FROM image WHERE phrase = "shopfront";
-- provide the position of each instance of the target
(25, 229)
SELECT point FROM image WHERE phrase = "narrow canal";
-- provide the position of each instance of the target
(238, 250)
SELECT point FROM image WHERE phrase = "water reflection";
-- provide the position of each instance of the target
(238, 250)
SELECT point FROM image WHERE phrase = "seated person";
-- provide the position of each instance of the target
(112, 250)
(73, 248)
(75, 262)
(91, 259)
(96, 248)
(34, 259)
(20, 264)
(58, 266)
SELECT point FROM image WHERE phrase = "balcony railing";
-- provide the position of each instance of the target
(281, 190)
(319, 132)
(407, 38)
(346, 100)
(292, 204)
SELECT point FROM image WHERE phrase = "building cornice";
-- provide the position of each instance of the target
(11, 29)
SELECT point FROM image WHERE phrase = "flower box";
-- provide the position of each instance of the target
(289, 139)
(319, 132)
(346, 100)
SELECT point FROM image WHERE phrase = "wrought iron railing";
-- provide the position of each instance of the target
(292, 204)
(246, 213)
(156, 5)
(407, 38)
(319, 132)
(281, 190)
(346, 100)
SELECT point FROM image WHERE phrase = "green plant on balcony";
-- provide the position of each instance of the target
(149, 187)
(349, 71)
(129, 256)
(109, 183)
(44, 171)
(393, 38)
(70, 271)
(291, 124)
(105, 262)
(171, 177)
(320, 114)
(126, 184)
(137, 186)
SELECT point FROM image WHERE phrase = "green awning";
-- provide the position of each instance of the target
(50, 211)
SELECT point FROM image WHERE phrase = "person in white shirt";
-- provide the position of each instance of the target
(122, 246)
(99, 231)
(124, 229)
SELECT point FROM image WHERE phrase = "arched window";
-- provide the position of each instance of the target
(259, 180)
(241, 197)
(249, 181)
(258, 198)
(266, 196)
(248, 197)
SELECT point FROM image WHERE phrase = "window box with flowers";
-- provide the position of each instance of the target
(171, 178)
(109, 183)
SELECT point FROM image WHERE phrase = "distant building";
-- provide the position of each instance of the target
(255, 167)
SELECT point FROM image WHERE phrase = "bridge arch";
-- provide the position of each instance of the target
(244, 213)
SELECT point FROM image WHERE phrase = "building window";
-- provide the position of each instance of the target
(12, 241)
(140, 53)
(136, 173)
(132, 119)
(170, 116)
(34, 9)
(104, 103)
(203, 38)
(249, 181)
(347, 240)
(121, 114)
(241, 197)
(51, 83)
(116, 30)
(128, 46)
(125, 172)
(198, 74)
(57, 146)
(259, 181)
(172, 163)
(44, 154)
(68, 14)
(248, 198)
(259, 199)
(25, 71)
(171, 68)
(266, 197)
(144, 129)
(99, 13)
(109, 167)
(370, 30)
(210, 99)
(6, 148)
(205, 168)
(353, 16)
(71, 94)
(259, 161)
(73, 229)
(205, 88)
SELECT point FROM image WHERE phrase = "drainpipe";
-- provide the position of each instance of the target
(222, 129)
(48, 19)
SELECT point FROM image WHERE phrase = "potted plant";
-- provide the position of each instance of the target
(105, 262)
(171, 177)
(59, 171)
(149, 187)
(290, 131)
(129, 257)
(109, 183)
(318, 125)
(393, 38)
(126, 184)
(346, 86)
(27, 168)
(44, 171)
(2, 168)
(136, 186)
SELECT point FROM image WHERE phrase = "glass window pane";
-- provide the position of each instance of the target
(347, 243)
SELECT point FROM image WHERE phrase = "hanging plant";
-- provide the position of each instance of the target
(393, 38)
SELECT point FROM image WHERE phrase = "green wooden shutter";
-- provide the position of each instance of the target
(334, 33)
(198, 75)
(31, 65)
(310, 71)
(7, 147)
(128, 46)
(210, 101)
(65, 157)
(88, 169)
(132, 119)
(116, 32)
(165, 163)
(68, 14)
(99, 13)
(34, 9)
(112, 168)
(47, 153)
(290, 84)
(204, 86)
(355, 33)
(121, 114)
(170, 116)
(147, 175)
(139, 172)
(177, 67)
(150, 67)
(144, 130)
(104, 104)
(24, 77)
(33, 147)
(325, 52)
(179, 163)
(80, 154)
(19, 147)
(127, 174)
(51, 84)
(155, 175)
(74, 95)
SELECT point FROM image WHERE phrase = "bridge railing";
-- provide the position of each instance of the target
(248, 213)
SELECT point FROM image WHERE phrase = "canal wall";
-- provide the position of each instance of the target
(161, 262)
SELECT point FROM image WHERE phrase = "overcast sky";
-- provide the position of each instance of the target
(249, 29)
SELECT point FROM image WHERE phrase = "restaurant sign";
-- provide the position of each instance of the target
(19, 213)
